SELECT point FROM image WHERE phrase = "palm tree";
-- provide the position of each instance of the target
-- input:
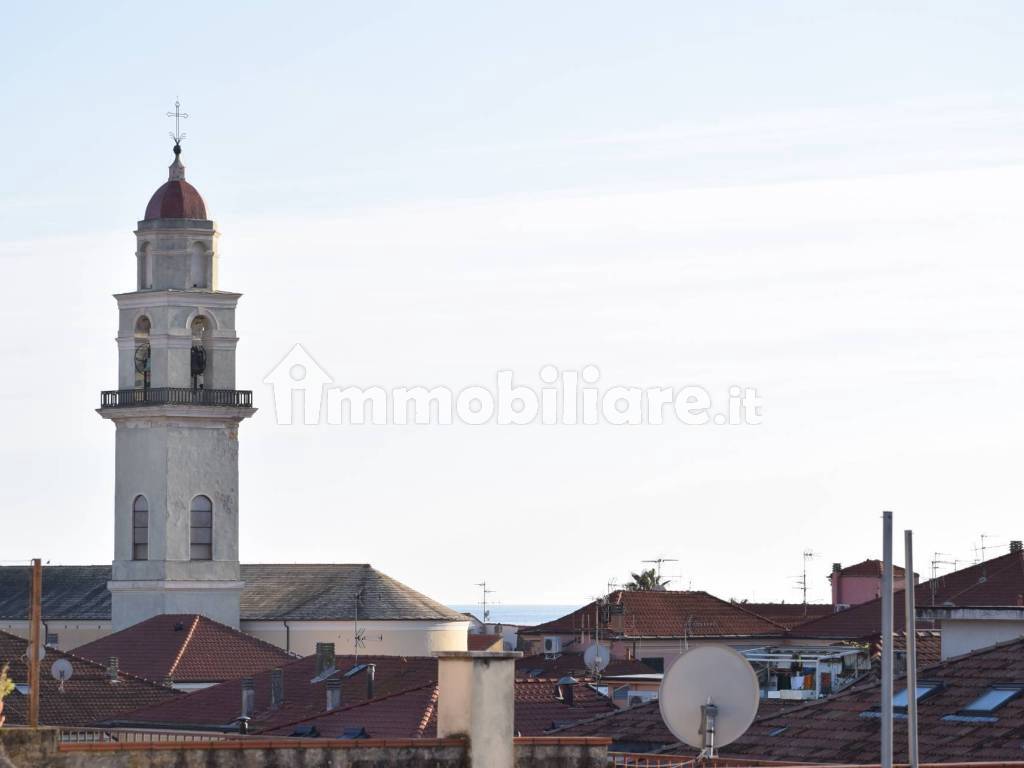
(646, 581)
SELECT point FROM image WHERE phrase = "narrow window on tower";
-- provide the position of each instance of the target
(143, 355)
(140, 528)
(145, 267)
(200, 331)
(201, 529)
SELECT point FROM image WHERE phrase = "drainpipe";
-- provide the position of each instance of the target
(287, 637)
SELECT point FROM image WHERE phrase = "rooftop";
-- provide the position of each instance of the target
(187, 648)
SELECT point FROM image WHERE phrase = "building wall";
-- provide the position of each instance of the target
(385, 638)
(70, 634)
(854, 590)
(960, 637)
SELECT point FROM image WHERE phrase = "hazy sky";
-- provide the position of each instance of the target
(819, 199)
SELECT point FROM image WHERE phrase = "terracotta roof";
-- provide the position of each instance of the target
(89, 696)
(789, 614)
(539, 665)
(273, 592)
(641, 729)
(220, 704)
(188, 648)
(845, 729)
(484, 642)
(413, 713)
(539, 707)
(999, 581)
(666, 614)
(867, 568)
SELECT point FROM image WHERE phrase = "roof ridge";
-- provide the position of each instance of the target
(184, 646)
(428, 712)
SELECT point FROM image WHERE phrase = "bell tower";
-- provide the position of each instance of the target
(176, 413)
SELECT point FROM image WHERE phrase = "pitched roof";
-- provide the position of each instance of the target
(540, 665)
(273, 592)
(667, 614)
(481, 642)
(413, 713)
(999, 581)
(219, 705)
(89, 696)
(188, 648)
(789, 614)
(640, 728)
(867, 568)
(845, 728)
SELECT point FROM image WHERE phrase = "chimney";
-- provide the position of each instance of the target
(169, 681)
(112, 669)
(276, 688)
(324, 657)
(248, 696)
(837, 567)
(1016, 546)
(333, 693)
(371, 674)
(567, 689)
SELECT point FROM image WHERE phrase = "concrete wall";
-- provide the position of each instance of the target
(386, 638)
(70, 634)
(38, 748)
(960, 637)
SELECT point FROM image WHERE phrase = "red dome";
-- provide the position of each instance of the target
(176, 200)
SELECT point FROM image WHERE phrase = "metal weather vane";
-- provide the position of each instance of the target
(178, 116)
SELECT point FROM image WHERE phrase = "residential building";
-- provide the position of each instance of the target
(862, 582)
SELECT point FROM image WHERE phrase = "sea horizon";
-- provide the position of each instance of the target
(525, 614)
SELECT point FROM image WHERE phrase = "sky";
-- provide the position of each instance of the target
(820, 200)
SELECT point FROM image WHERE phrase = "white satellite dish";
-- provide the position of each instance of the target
(596, 657)
(709, 697)
(62, 670)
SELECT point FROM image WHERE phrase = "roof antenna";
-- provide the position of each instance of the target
(483, 601)
(176, 134)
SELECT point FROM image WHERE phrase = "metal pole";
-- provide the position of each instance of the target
(911, 624)
(34, 643)
(886, 747)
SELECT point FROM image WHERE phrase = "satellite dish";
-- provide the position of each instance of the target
(596, 657)
(62, 670)
(709, 697)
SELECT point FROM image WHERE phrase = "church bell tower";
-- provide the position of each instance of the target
(176, 413)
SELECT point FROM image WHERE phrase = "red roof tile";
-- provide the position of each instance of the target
(176, 200)
(88, 697)
(844, 729)
(188, 648)
(665, 614)
(789, 615)
(998, 581)
(485, 642)
(413, 713)
(220, 705)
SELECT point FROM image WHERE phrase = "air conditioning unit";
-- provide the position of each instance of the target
(552, 646)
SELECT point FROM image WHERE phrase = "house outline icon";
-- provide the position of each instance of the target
(298, 371)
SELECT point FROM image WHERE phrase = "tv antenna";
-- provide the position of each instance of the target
(801, 580)
(708, 697)
(483, 602)
(658, 562)
(358, 635)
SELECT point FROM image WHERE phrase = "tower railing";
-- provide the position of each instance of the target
(135, 398)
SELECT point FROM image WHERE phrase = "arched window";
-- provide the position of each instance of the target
(140, 528)
(201, 529)
(200, 333)
(142, 353)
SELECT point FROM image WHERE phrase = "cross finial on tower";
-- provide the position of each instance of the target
(177, 135)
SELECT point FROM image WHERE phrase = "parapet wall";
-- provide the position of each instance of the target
(41, 748)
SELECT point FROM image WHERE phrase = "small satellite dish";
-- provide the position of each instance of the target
(61, 670)
(709, 697)
(597, 657)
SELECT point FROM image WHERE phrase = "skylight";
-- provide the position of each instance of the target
(924, 690)
(993, 698)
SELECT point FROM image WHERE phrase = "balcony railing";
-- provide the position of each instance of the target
(134, 398)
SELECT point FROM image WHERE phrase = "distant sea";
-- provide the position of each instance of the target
(518, 614)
